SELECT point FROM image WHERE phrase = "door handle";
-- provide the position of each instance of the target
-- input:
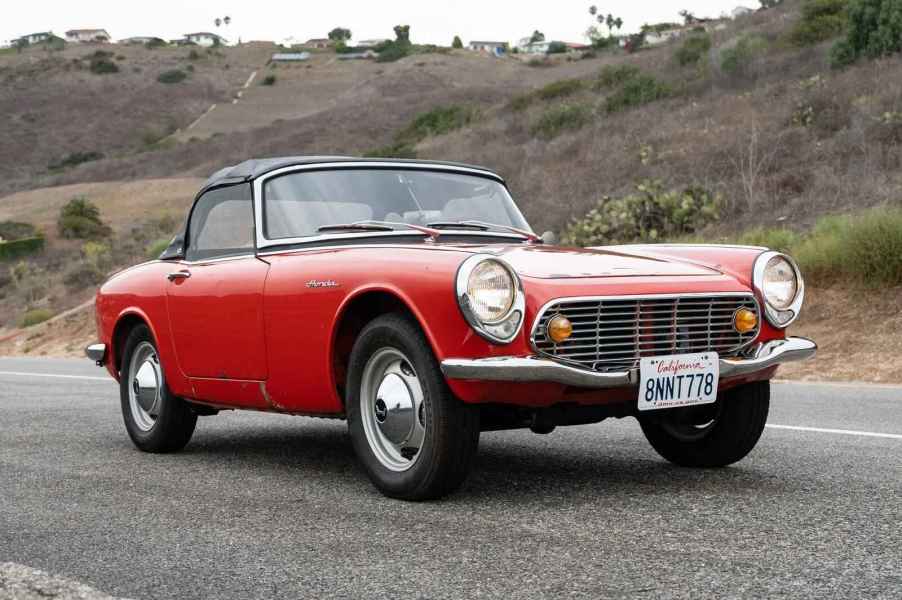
(178, 275)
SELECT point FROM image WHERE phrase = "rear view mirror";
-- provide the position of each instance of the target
(175, 249)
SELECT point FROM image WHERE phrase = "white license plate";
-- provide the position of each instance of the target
(678, 380)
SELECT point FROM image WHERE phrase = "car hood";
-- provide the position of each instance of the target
(553, 262)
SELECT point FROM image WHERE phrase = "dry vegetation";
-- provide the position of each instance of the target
(747, 117)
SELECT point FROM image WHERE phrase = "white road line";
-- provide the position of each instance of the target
(892, 436)
(86, 377)
(250, 79)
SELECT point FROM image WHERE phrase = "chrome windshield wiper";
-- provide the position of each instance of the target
(483, 226)
(380, 226)
(355, 227)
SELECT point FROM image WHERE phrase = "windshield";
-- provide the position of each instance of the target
(299, 204)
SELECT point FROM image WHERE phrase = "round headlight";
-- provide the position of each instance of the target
(780, 283)
(491, 291)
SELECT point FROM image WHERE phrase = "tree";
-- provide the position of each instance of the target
(402, 34)
(227, 20)
(457, 43)
(21, 44)
(874, 29)
(537, 36)
(218, 21)
(688, 17)
(340, 34)
(80, 219)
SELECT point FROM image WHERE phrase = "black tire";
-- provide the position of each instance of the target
(451, 427)
(175, 422)
(739, 416)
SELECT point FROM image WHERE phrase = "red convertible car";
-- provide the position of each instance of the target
(413, 299)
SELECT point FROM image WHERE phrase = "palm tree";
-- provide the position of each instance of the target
(227, 19)
(218, 21)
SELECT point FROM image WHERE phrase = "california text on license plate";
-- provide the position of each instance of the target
(678, 380)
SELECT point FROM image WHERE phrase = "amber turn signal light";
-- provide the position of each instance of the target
(745, 320)
(559, 328)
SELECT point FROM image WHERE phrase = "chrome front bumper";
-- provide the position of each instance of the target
(533, 370)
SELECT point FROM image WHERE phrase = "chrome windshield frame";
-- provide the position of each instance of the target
(263, 243)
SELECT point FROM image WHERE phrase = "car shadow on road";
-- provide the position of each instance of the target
(516, 466)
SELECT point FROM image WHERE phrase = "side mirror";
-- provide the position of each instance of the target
(549, 238)
(175, 249)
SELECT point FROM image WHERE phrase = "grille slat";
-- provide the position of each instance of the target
(613, 334)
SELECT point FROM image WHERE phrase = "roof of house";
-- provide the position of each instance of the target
(34, 34)
(204, 33)
(488, 43)
(78, 31)
(255, 167)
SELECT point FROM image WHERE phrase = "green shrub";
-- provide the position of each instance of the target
(874, 29)
(103, 66)
(393, 51)
(14, 230)
(820, 20)
(269, 80)
(693, 49)
(560, 89)
(74, 159)
(650, 214)
(557, 48)
(35, 316)
(776, 238)
(521, 102)
(80, 219)
(172, 76)
(21, 247)
(154, 43)
(560, 118)
(616, 75)
(393, 151)
(438, 121)
(865, 248)
(636, 91)
(156, 248)
(736, 60)
(193, 55)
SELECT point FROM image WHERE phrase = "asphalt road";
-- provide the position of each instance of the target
(262, 506)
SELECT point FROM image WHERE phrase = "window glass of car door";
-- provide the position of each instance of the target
(222, 224)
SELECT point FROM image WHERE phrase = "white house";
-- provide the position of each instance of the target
(527, 47)
(740, 11)
(655, 37)
(319, 43)
(205, 38)
(371, 43)
(84, 36)
(490, 47)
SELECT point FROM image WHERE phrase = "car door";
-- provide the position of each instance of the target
(215, 295)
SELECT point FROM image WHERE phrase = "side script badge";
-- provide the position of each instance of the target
(328, 283)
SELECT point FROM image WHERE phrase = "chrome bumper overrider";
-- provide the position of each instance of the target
(96, 352)
(526, 369)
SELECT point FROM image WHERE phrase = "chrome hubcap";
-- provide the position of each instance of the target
(145, 388)
(392, 409)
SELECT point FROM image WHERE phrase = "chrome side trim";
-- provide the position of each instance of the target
(263, 242)
(97, 353)
(773, 314)
(532, 370)
(550, 303)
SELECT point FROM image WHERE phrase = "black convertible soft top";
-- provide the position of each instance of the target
(255, 167)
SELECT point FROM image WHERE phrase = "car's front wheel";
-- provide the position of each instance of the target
(415, 440)
(712, 435)
(156, 420)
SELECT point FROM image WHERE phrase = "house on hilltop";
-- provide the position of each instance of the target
(141, 39)
(319, 43)
(32, 38)
(496, 48)
(741, 11)
(371, 43)
(88, 36)
(203, 38)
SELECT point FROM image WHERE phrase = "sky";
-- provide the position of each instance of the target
(431, 21)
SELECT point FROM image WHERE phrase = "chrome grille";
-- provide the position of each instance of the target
(612, 334)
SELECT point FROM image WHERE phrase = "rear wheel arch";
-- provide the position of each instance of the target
(353, 316)
(123, 328)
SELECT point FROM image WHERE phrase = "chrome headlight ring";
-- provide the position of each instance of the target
(777, 316)
(504, 329)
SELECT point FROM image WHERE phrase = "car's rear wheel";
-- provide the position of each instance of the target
(713, 435)
(156, 420)
(415, 440)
